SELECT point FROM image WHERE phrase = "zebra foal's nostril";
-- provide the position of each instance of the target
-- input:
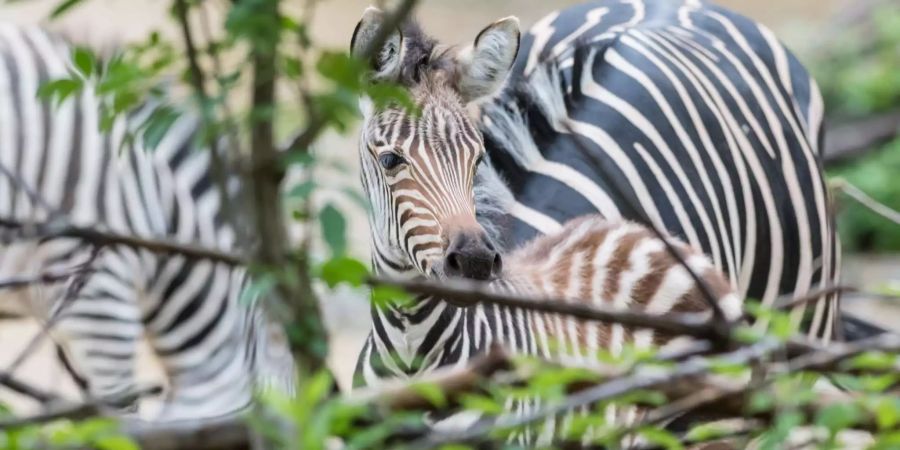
(471, 257)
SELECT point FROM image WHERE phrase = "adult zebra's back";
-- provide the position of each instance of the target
(692, 113)
(57, 164)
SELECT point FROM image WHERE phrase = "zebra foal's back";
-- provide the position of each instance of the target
(614, 264)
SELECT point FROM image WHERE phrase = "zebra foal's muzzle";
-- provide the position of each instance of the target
(470, 254)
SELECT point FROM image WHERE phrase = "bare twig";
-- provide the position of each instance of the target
(42, 278)
(32, 194)
(786, 303)
(80, 411)
(221, 433)
(27, 390)
(403, 394)
(75, 285)
(210, 128)
(106, 238)
(469, 293)
(849, 140)
(864, 199)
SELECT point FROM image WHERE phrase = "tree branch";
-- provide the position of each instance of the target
(470, 293)
(850, 140)
(42, 278)
(48, 230)
(80, 411)
(601, 392)
(27, 390)
(210, 128)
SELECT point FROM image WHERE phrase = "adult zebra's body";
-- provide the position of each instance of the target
(681, 113)
(709, 127)
(211, 347)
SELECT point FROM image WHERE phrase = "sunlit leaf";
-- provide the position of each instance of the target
(115, 442)
(343, 269)
(706, 432)
(432, 393)
(384, 295)
(481, 403)
(661, 438)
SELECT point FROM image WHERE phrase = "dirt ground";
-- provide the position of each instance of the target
(346, 312)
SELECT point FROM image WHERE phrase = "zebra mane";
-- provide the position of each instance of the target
(493, 201)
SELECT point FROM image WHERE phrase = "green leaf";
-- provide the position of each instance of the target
(302, 190)
(839, 416)
(343, 269)
(761, 401)
(63, 7)
(358, 198)
(261, 285)
(873, 360)
(707, 432)
(432, 393)
(292, 67)
(386, 94)
(58, 90)
(116, 442)
(317, 388)
(481, 403)
(84, 61)
(157, 126)
(334, 229)
(343, 69)
(383, 295)
(661, 437)
(887, 412)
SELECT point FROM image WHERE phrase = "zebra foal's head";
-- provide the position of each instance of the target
(418, 168)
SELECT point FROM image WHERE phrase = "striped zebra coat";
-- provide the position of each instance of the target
(680, 113)
(57, 165)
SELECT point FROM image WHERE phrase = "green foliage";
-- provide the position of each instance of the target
(343, 269)
(64, 7)
(334, 229)
(97, 433)
(876, 175)
(857, 73)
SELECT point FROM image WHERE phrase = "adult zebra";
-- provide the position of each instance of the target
(699, 117)
(57, 165)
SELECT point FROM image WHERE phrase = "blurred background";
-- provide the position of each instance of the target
(852, 47)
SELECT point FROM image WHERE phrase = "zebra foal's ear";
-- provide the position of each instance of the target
(485, 65)
(386, 60)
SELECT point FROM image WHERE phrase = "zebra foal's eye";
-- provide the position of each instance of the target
(390, 160)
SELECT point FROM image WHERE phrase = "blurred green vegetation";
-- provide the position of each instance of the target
(858, 71)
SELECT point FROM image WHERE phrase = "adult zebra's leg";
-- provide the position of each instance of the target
(99, 329)
(198, 330)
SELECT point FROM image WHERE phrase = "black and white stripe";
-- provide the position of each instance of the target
(699, 116)
(212, 347)
(693, 115)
